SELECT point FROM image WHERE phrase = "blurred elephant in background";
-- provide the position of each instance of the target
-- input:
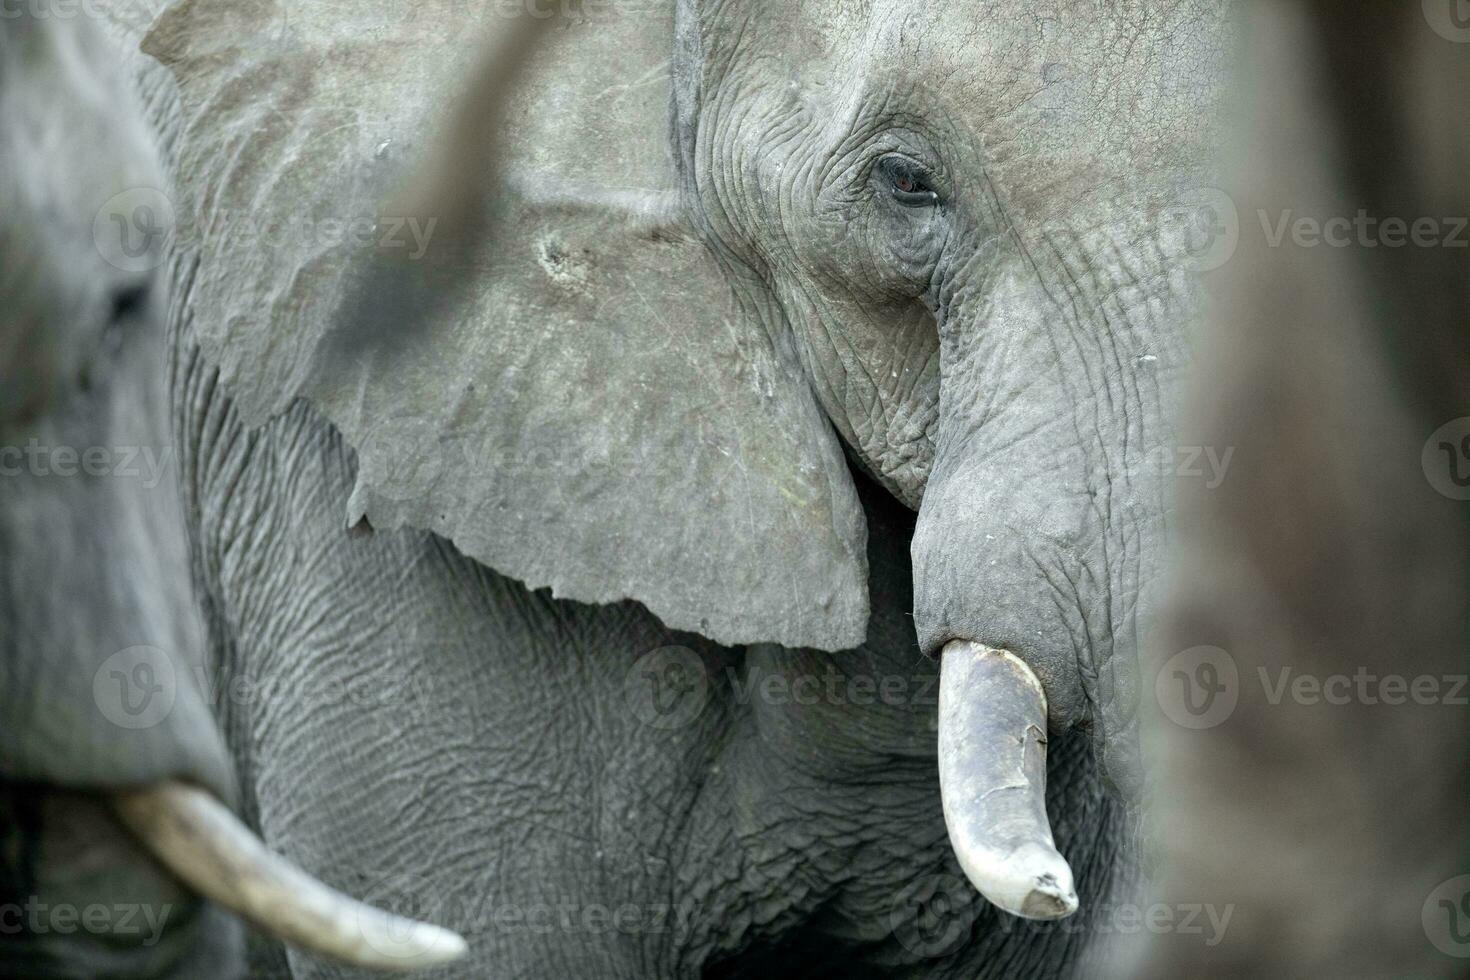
(94, 567)
(1322, 796)
(704, 522)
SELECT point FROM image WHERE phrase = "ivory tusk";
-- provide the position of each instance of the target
(992, 779)
(196, 837)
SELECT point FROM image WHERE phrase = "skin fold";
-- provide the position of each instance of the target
(921, 264)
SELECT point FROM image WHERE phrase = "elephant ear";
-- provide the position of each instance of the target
(584, 397)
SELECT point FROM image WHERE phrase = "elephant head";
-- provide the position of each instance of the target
(961, 221)
(719, 253)
(106, 731)
(93, 565)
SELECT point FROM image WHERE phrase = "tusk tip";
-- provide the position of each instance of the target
(206, 846)
(394, 943)
(1049, 900)
(450, 946)
(1033, 881)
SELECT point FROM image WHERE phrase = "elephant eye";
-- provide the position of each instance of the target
(907, 182)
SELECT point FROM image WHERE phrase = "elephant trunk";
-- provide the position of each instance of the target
(1039, 539)
(992, 778)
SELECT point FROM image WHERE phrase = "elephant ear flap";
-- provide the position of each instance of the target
(557, 374)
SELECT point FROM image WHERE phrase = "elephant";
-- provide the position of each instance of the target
(1329, 811)
(93, 555)
(677, 492)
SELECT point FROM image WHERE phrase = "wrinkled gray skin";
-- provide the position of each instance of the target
(422, 731)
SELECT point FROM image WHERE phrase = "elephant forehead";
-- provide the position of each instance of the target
(1072, 91)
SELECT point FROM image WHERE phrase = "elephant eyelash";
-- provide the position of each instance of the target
(908, 182)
